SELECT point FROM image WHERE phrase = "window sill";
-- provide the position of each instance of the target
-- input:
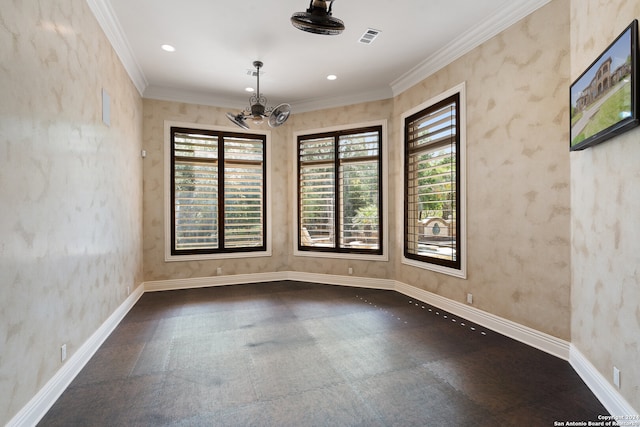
(461, 274)
(207, 257)
(340, 255)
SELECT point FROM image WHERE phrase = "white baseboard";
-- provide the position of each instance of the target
(46, 397)
(238, 279)
(38, 406)
(547, 343)
(603, 390)
(529, 336)
(332, 279)
(205, 282)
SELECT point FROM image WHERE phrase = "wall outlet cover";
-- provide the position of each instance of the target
(616, 377)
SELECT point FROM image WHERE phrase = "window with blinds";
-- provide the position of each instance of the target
(218, 191)
(432, 184)
(340, 191)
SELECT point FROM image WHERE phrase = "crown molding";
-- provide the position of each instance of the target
(106, 17)
(191, 97)
(467, 41)
(341, 101)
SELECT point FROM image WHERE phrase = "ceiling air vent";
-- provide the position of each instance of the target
(369, 36)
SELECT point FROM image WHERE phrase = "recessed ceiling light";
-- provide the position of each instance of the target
(249, 89)
(332, 77)
(168, 48)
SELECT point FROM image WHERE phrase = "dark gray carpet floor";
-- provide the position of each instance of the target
(300, 354)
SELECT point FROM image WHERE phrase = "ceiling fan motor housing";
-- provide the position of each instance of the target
(257, 109)
(317, 19)
(319, 8)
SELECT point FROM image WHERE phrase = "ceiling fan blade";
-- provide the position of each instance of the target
(238, 120)
(279, 115)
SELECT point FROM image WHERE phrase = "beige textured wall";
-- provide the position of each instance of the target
(605, 201)
(70, 189)
(342, 116)
(518, 196)
(518, 176)
(155, 268)
(70, 223)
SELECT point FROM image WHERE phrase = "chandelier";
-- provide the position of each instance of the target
(258, 111)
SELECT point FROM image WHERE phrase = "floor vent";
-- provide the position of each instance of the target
(369, 36)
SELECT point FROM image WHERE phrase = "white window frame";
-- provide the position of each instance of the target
(384, 150)
(461, 197)
(168, 257)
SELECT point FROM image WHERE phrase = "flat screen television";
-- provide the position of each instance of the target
(604, 97)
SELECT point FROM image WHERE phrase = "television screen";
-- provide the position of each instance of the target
(603, 98)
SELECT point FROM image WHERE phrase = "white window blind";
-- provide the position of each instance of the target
(195, 191)
(218, 189)
(317, 192)
(359, 156)
(432, 184)
(243, 178)
(340, 191)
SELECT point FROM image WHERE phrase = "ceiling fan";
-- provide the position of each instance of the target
(317, 19)
(257, 109)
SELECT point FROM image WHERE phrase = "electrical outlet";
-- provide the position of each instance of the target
(469, 298)
(350, 271)
(219, 271)
(616, 377)
(128, 290)
(63, 352)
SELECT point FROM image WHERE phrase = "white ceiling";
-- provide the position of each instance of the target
(217, 41)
